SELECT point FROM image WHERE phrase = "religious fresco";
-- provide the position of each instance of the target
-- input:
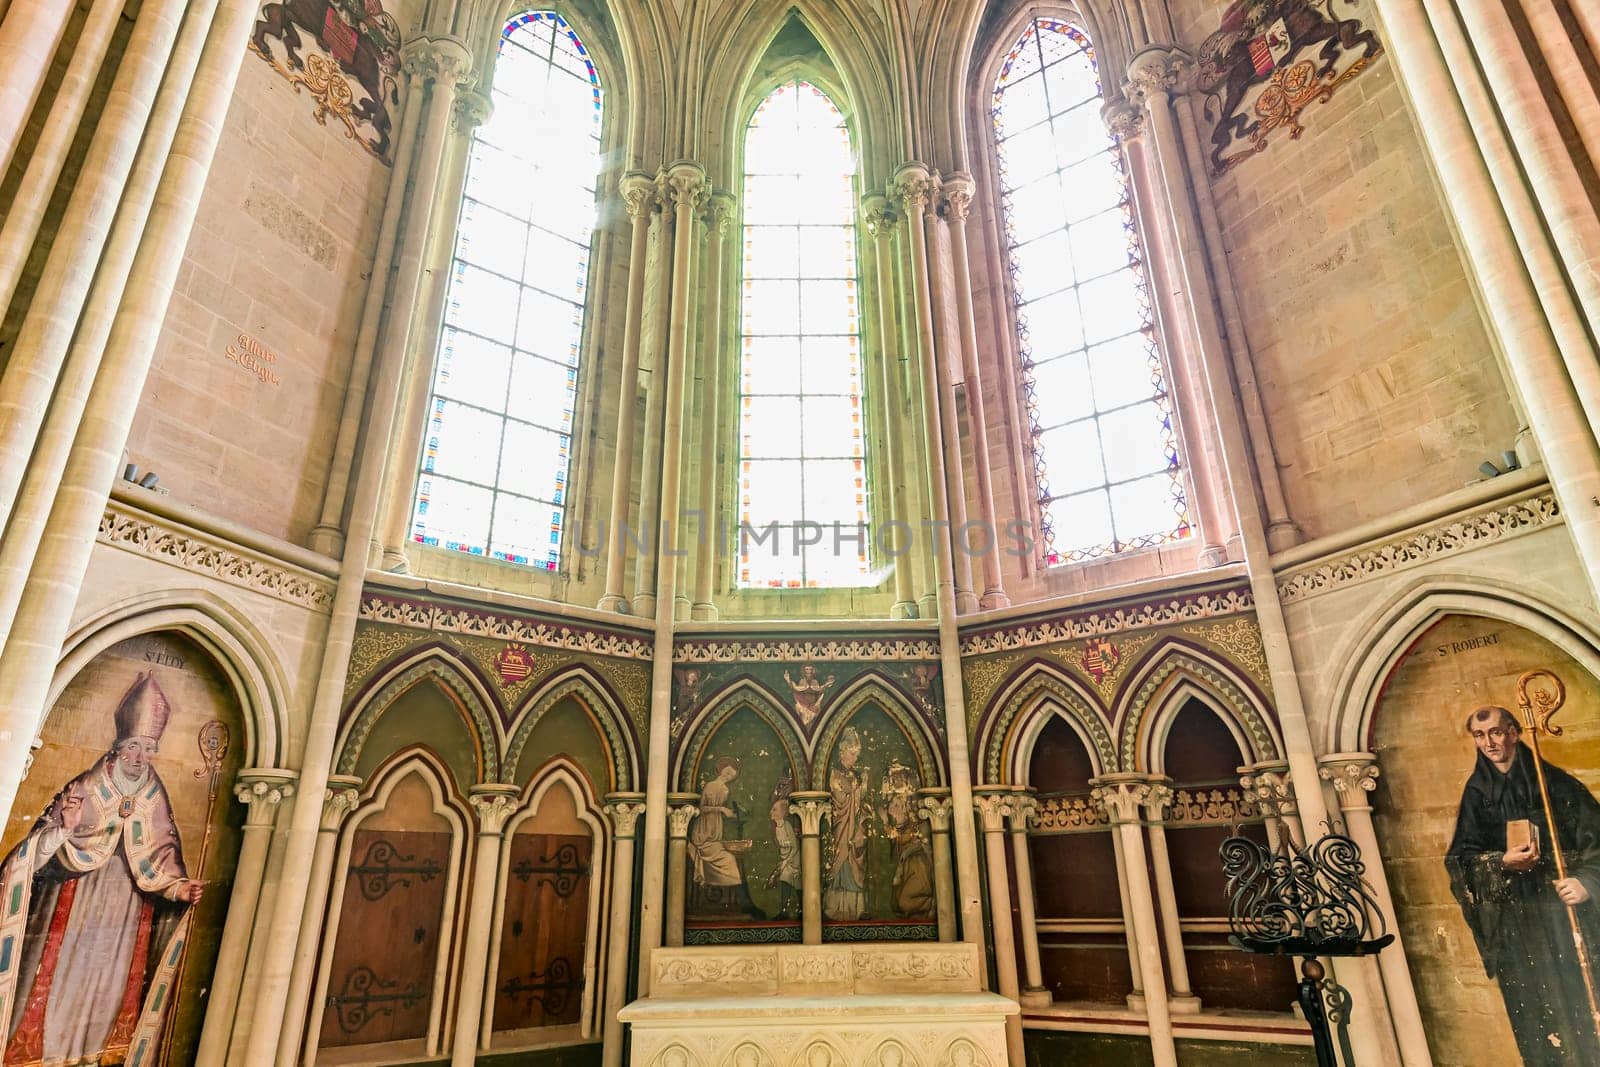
(118, 862)
(352, 72)
(1494, 866)
(1271, 59)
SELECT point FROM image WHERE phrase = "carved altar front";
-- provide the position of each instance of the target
(918, 1005)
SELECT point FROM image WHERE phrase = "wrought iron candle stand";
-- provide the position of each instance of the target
(1309, 901)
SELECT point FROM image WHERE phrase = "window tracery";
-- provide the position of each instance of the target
(494, 464)
(1106, 455)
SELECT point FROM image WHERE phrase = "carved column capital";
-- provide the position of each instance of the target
(473, 108)
(493, 804)
(912, 187)
(811, 805)
(1024, 812)
(681, 812)
(719, 212)
(879, 215)
(994, 804)
(1158, 72)
(638, 193)
(935, 806)
(261, 791)
(1353, 776)
(1158, 799)
(1123, 796)
(956, 191)
(624, 809)
(339, 800)
(1269, 784)
(437, 58)
(685, 184)
(1124, 120)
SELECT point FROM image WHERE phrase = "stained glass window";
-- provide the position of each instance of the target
(1104, 442)
(495, 455)
(801, 440)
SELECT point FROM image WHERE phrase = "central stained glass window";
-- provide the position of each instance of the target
(802, 469)
(493, 479)
(1104, 443)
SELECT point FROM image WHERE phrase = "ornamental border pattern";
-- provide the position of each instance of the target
(1443, 539)
(1143, 616)
(784, 650)
(460, 619)
(214, 558)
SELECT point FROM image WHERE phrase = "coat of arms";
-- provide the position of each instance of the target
(514, 664)
(1100, 657)
(1254, 81)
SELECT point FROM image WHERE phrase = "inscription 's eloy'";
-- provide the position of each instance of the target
(254, 357)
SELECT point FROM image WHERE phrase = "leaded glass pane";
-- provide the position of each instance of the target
(801, 438)
(1105, 453)
(495, 462)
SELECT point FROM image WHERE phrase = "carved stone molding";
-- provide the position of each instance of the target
(143, 534)
(1065, 814)
(261, 791)
(339, 800)
(1158, 799)
(994, 807)
(811, 806)
(1158, 72)
(1219, 806)
(681, 813)
(1124, 120)
(460, 619)
(912, 188)
(624, 810)
(1123, 796)
(879, 215)
(1115, 620)
(473, 108)
(1269, 785)
(638, 191)
(779, 650)
(684, 184)
(720, 211)
(493, 804)
(956, 192)
(935, 806)
(437, 58)
(1353, 775)
(1024, 812)
(1438, 541)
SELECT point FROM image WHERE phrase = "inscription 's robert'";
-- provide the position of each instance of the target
(254, 357)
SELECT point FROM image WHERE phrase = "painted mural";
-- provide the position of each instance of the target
(352, 71)
(118, 860)
(1271, 59)
(1489, 742)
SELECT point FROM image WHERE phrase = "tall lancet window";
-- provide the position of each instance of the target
(801, 439)
(1104, 443)
(494, 461)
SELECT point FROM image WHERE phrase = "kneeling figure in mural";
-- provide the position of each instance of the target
(1503, 876)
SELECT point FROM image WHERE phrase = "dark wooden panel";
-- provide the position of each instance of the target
(542, 942)
(1075, 876)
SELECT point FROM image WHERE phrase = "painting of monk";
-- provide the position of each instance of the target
(844, 875)
(718, 874)
(1503, 875)
(93, 906)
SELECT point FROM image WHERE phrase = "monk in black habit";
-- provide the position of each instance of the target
(1512, 900)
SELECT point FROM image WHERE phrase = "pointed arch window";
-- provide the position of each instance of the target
(494, 465)
(1105, 446)
(801, 436)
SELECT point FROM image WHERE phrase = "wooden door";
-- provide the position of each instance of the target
(380, 987)
(545, 932)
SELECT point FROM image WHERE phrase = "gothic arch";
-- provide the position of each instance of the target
(1019, 711)
(234, 643)
(872, 689)
(743, 693)
(1170, 674)
(443, 668)
(447, 803)
(586, 687)
(1381, 639)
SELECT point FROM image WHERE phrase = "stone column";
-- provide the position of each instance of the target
(713, 357)
(45, 610)
(1354, 775)
(493, 804)
(639, 194)
(1025, 813)
(1135, 998)
(261, 791)
(678, 820)
(995, 804)
(687, 183)
(811, 806)
(1182, 1000)
(443, 63)
(880, 221)
(624, 810)
(29, 36)
(958, 190)
(340, 798)
(934, 806)
(1123, 796)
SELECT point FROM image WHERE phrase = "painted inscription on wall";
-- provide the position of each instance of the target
(254, 357)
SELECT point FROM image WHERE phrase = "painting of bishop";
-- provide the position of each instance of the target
(94, 906)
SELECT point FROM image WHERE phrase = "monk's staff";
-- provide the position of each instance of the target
(1539, 705)
(213, 743)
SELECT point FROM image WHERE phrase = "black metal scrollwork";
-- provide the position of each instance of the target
(363, 996)
(384, 868)
(562, 870)
(552, 988)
